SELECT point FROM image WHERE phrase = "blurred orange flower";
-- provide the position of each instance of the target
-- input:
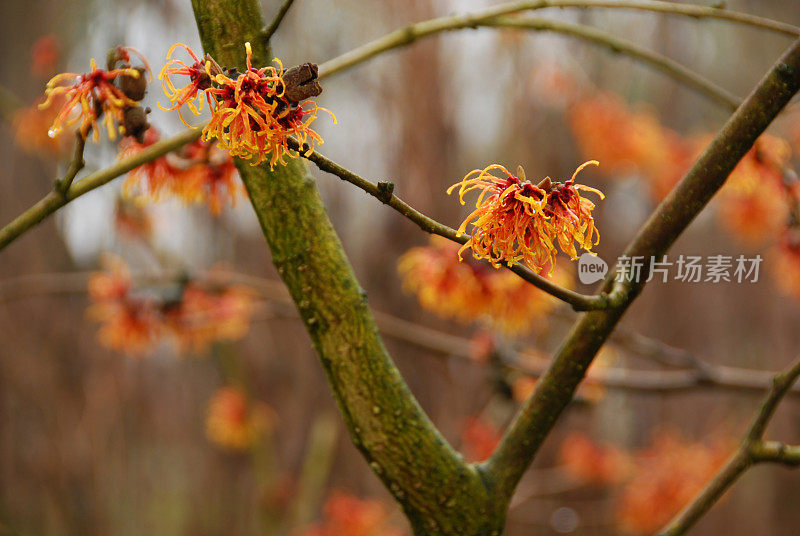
(479, 439)
(202, 317)
(515, 220)
(470, 290)
(130, 323)
(45, 54)
(198, 173)
(753, 203)
(786, 263)
(235, 423)
(629, 141)
(32, 133)
(666, 477)
(590, 463)
(346, 515)
(251, 116)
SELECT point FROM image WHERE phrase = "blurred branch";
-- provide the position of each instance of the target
(383, 191)
(270, 30)
(55, 199)
(752, 450)
(413, 32)
(555, 389)
(718, 377)
(617, 45)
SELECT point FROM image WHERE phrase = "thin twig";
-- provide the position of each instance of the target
(419, 30)
(270, 30)
(55, 200)
(752, 449)
(383, 191)
(718, 377)
(77, 163)
(657, 61)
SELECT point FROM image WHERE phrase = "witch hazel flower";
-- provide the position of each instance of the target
(254, 113)
(517, 221)
(107, 97)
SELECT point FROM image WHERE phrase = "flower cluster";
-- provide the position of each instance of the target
(33, 129)
(754, 203)
(471, 290)
(253, 114)
(629, 141)
(346, 515)
(235, 423)
(588, 462)
(109, 96)
(198, 173)
(193, 316)
(515, 220)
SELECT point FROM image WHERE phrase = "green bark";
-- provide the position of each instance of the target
(440, 494)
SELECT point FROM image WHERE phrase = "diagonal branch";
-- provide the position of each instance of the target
(383, 191)
(752, 450)
(554, 391)
(270, 30)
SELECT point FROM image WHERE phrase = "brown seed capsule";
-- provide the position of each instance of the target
(133, 87)
(301, 82)
(134, 122)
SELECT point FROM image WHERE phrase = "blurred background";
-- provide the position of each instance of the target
(234, 431)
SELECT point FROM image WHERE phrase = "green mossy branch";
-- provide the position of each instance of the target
(440, 494)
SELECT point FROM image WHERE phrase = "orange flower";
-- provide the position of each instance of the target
(251, 116)
(199, 80)
(753, 203)
(203, 317)
(92, 97)
(589, 463)
(786, 264)
(471, 290)
(666, 477)
(629, 141)
(235, 423)
(32, 133)
(516, 221)
(199, 173)
(346, 515)
(130, 323)
(211, 178)
(44, 56)
(480, 437)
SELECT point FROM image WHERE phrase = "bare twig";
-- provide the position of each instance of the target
(752, 449)
(419, 30)
(383, 191)
(55, 200)
(716, 377)
(270, 30)
(77, 163)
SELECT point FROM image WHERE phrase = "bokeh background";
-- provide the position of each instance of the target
(96, 442)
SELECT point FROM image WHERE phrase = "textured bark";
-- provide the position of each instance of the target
(439, 493)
